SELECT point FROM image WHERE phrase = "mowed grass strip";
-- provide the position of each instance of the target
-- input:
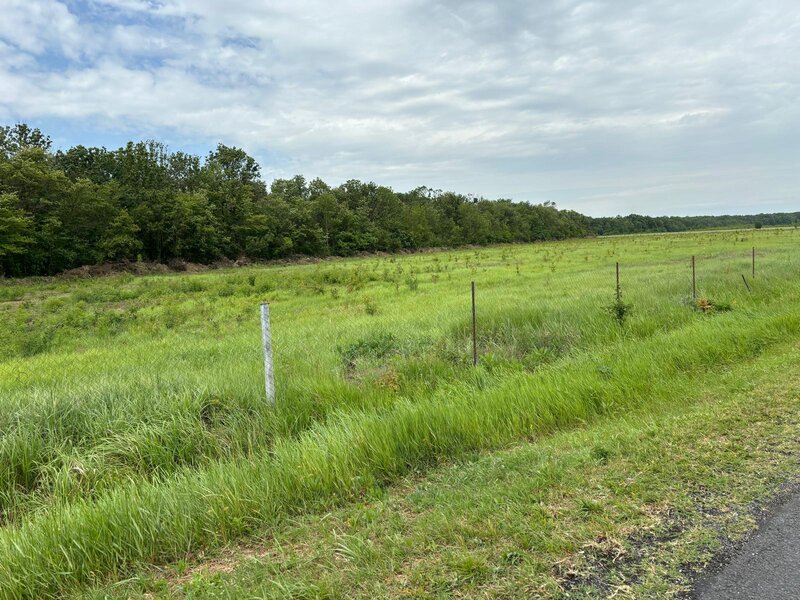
(357, 452)
(629, 507)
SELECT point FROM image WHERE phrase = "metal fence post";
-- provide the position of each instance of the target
(754, 262)
(619, 293)
(266, 342)
(694, 280)
(474, 330)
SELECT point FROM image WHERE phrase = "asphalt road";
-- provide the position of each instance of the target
(766, 567)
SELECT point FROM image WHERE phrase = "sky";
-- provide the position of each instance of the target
(607, 107)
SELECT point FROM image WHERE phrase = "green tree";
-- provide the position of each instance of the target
(184, 171)
(16, 234)
(153, 214)
(20, 137)
(31, 176)
(232, 181)
(95, 164)
(119, 241)
(195, 232)
(85, 212)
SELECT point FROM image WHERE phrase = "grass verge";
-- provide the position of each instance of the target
(358, 453)
(629, 507)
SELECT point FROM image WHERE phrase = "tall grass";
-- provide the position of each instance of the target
(163, 520)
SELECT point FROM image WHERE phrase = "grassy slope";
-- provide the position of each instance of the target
(355, 454)
(629, 507)
(130, 405)
(136, 377)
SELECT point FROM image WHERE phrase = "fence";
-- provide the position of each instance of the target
(572, 301)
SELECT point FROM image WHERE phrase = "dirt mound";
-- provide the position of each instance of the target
(132, 267)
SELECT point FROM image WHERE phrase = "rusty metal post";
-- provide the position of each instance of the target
(747, 285)
(694, 280)
(619, 292)
(474, 330)
(754, 263)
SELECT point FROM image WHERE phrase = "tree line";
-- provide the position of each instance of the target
(644, 224)
(86, 205)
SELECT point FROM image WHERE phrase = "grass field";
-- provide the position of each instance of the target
(135, 429)
(632, 506)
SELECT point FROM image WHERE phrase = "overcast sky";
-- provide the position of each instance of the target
(659, 107)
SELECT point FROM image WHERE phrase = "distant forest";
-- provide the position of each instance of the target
(86, 205)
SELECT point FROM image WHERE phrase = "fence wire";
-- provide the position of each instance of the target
(400, 317)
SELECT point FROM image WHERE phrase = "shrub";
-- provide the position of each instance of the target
(620, 311)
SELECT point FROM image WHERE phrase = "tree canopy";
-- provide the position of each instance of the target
(85, 205)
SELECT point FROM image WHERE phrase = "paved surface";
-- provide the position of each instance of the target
(767, 567)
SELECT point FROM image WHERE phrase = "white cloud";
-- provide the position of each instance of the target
(502, 99)
(41, 25)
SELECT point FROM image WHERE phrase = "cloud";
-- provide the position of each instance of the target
(602, 106)
(43, 27)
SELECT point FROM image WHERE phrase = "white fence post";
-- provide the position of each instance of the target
(266, 341)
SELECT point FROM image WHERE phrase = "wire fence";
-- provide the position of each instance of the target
(526, 306)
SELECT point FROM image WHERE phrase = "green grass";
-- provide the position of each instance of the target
(135, 429)
(595, 512)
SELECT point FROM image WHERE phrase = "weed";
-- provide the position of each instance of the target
(370, 306)
(706, 305)
(620, 311)
(377, 346)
